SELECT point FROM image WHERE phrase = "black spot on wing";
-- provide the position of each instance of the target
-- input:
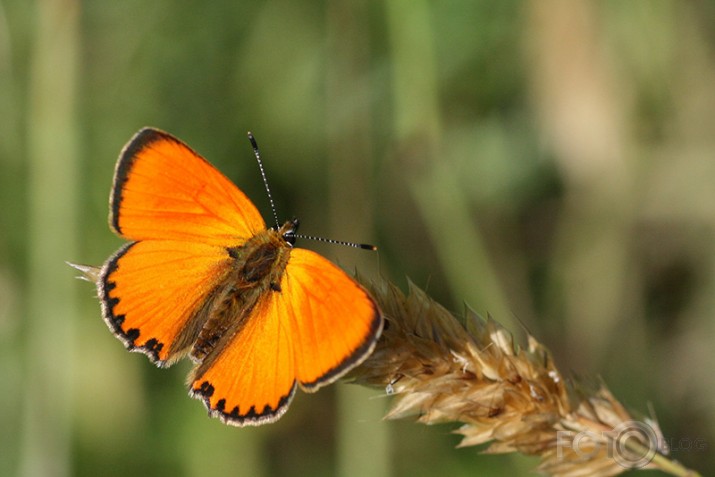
(237, 416)
(132, 334)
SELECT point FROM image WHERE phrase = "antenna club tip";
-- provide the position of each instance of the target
(252, 139)
(367, 246)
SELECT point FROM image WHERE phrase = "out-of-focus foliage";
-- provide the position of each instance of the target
(549, 162)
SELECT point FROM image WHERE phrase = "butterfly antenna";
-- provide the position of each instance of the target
(254, 144)
(364, 246)
(257, 153)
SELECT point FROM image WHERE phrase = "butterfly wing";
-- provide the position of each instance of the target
(182, 214)
(251, 380)
(318, 326)
(164, 190)
(335, 323)
(152, 293)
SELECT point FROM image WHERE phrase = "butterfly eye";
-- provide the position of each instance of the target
(289, 230)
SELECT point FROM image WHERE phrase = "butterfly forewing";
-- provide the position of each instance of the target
(164, 190)
(334, 321)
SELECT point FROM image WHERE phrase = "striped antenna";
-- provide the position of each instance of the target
(364, 246)
(254, 144)
(256, 152)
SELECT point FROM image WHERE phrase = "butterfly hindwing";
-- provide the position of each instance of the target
(251, 380)
(151, 292)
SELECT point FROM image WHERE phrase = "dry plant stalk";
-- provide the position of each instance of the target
(472, 372)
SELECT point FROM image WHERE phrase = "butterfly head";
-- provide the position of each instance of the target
(288, 230)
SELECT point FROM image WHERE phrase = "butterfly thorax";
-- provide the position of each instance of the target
(256, 267)
(261, 261)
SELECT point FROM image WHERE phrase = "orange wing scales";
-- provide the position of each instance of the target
(165, 190)
(252, 380)
(335, 322)
(150, 291)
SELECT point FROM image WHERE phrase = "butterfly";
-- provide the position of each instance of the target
(202, 276)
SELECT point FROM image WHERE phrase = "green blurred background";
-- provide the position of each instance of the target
(551, 163)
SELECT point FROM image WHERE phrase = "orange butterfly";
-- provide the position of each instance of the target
(204, 277)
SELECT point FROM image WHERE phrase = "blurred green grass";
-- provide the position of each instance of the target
(551, 163)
